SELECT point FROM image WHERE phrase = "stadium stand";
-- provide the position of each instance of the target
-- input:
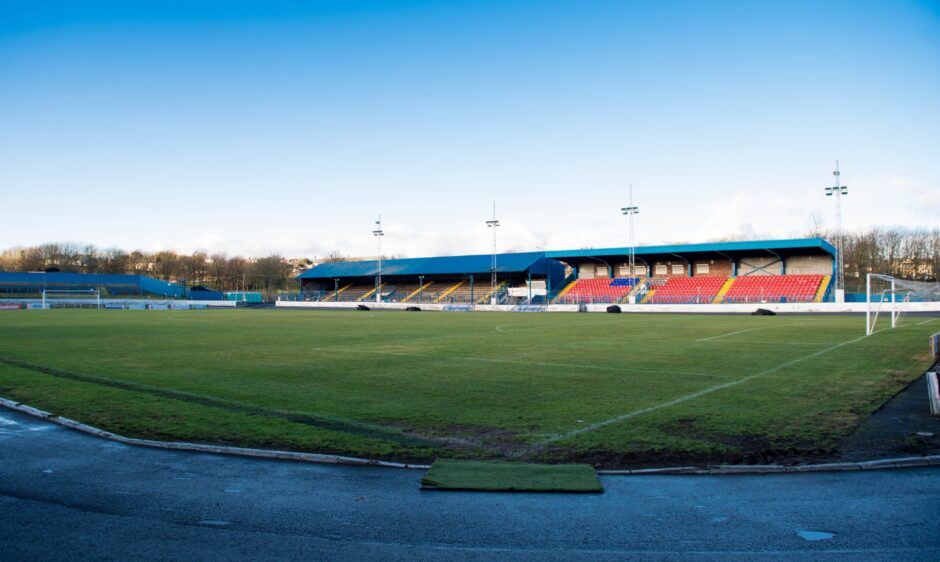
(747, 271)
(774, 288)
(446, 279)
(676, 290)
(17, 284)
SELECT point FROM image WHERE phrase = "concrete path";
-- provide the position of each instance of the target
(66, 495)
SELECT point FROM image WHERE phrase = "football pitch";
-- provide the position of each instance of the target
(610, 389)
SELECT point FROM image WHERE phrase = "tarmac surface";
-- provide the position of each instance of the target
(67, 495)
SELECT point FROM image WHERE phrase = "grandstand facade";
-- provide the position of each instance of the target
(798, 270)
(32, 284)
(529, 276)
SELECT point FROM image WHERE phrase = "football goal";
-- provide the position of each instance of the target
(887, 295)
(71, 298)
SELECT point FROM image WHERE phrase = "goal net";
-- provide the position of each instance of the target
(71, 298)
(889, 298)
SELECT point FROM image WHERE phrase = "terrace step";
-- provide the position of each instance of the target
(823, 286)
(724, 289)
(449, 291)
(565, 290)
(372, 292)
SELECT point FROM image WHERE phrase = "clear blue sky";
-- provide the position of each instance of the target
(251, 127)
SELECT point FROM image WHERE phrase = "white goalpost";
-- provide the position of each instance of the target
(885, 288)
(893, 294)
(78, 298)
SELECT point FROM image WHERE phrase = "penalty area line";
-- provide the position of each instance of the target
(718, 337)
(637, 371)
(692, 396)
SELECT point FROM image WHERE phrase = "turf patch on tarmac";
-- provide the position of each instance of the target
(483, 476)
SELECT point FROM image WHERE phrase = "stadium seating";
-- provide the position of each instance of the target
(598, 290)
(351, 293)
(483, 296)
(463, 292)
(688, 290)
(774, 288)
(400, 292)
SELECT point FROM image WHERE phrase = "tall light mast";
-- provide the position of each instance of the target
(838, 190)
(631, 210)
(378, 233)
(494, 224)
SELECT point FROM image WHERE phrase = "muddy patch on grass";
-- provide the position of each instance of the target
(488, 442)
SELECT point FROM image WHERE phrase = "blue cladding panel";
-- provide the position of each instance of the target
(122, 284)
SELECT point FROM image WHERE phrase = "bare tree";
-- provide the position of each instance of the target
(216, 267)
(166, 265)
(335, 256)
(816, 225)
(270, 273)
(114, 261)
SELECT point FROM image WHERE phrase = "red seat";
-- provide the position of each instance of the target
(774, 288)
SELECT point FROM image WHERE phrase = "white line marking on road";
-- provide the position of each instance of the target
(694, 395)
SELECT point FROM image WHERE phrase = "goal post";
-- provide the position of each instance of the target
(890, 295)
(68, 298)
(878, 288)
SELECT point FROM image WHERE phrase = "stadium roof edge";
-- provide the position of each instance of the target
(442, 265)
(533, 261)
(771, 246)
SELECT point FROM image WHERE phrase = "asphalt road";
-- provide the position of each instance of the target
(66, 495)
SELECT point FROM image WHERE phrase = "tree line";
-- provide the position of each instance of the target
(905, 253)
(218, 271)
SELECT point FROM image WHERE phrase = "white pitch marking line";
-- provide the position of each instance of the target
(638, 370)
(740, 332)
(694, 395)
(502, 327)
(925, 322)
(416, 339)
(738, 342)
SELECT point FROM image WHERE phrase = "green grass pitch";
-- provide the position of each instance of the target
(612, 390)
